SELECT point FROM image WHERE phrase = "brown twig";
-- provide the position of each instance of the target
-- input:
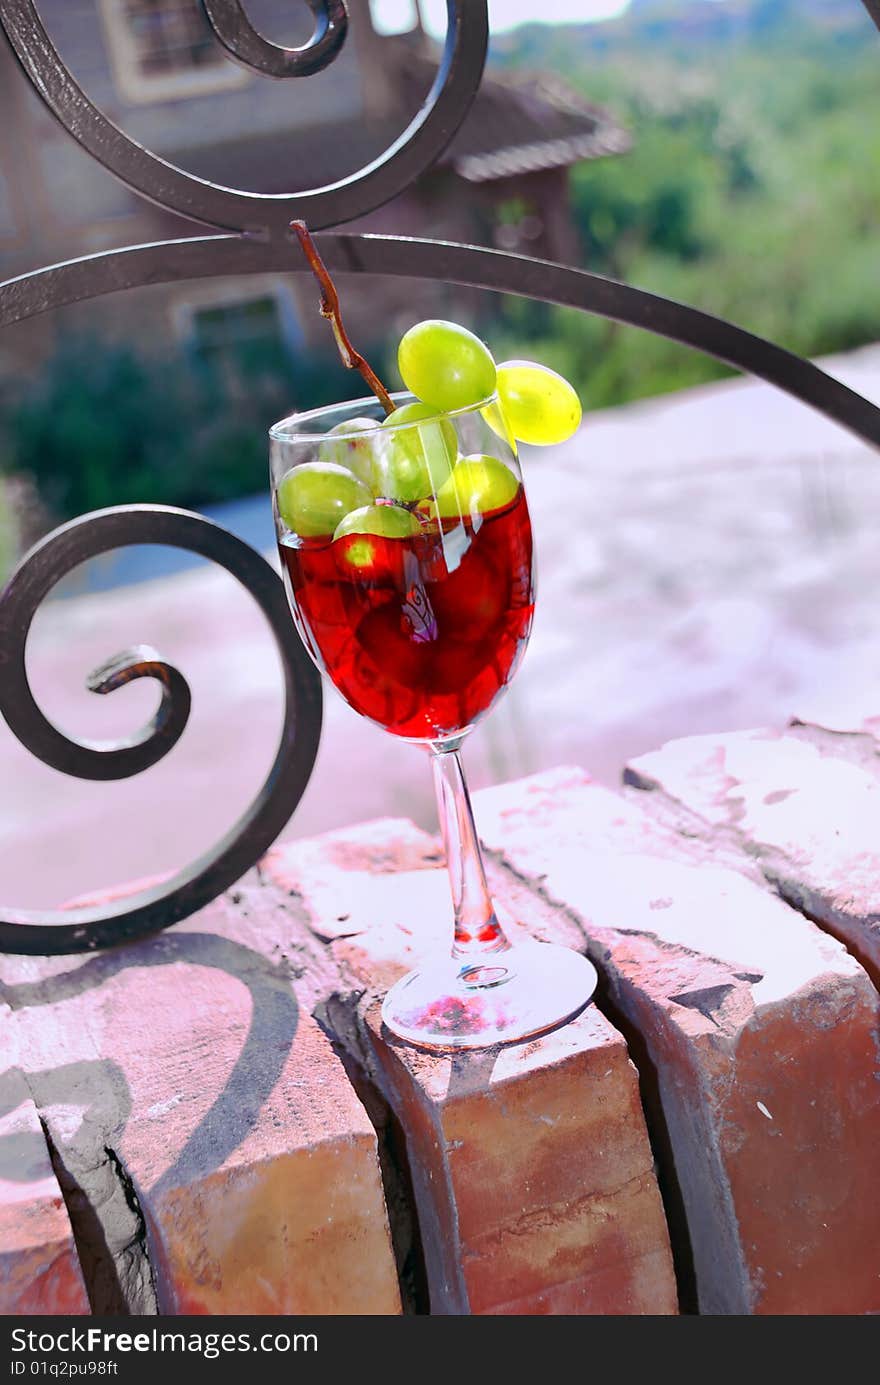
(331, 310)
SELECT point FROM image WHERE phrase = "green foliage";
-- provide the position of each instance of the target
(752, 189)
(108, 425)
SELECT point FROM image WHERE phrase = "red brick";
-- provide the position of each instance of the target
(226, 1113)
(532, 1172)
(758, 1031)
(39, 1267)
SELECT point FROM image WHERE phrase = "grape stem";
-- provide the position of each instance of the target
(330, 309)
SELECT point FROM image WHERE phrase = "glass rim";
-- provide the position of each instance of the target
(281, 432)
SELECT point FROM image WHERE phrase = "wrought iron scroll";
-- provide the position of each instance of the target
(74, 930)
(469, 265)
(259, 214)
(248, 47)
(261, 242)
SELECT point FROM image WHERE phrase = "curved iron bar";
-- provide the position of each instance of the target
(39, 571)
(74, 930)
(469, 265)
(247, 46)
(265, 219)
(260, 214)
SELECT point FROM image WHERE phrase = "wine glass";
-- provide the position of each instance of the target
(406, 551)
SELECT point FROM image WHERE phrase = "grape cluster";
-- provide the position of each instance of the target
(391, 479)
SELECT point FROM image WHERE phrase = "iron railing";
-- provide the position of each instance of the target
(254, 237)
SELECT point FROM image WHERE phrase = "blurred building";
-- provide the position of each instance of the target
(155, 68)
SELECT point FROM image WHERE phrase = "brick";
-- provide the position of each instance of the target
(807, 817)
(531, 1168)
(39, 1266)
(549, 1202)
(755, 1034)
(224, 1163)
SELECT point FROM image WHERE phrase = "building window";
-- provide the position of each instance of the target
(165, 49)
(237, 331)
(243, 336)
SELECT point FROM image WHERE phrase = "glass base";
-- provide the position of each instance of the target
(503, 997)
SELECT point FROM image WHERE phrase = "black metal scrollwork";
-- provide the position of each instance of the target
(72, 930)
(259, 214)
(471, 265)
(260, 242)
(243, 43)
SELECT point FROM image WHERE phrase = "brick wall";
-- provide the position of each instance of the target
(211, 1121)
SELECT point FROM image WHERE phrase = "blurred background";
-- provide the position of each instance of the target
(707, 548)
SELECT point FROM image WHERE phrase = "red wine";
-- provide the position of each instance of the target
(420, 634)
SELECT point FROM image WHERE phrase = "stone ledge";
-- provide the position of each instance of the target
(754, 1033)
(531, 1169)
(807, 817)
(216, 1151)
(39, 1267)
(535, 1181)
(222, 1161)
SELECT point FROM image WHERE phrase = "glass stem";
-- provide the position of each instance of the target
(477, 930)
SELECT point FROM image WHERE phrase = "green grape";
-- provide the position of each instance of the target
(540, 406)
(314, 497)
(356, 453)
(382, 521)
(415, 461)
(495, 417)
(477, 485)
(386, 521)
(446, 365)
(416, 412)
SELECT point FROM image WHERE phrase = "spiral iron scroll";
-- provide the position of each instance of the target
(262, 214)
(248, 47)
(261, 242)
(78, 929)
